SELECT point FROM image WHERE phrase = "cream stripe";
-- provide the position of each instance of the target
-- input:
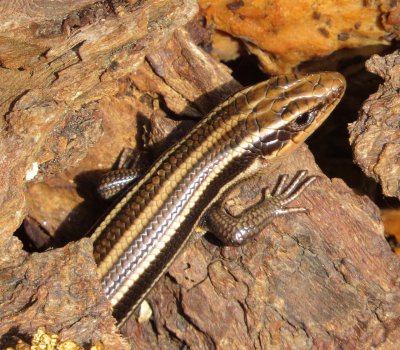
(178, 174)
(266, 85)
(158, 201)
(135, 275)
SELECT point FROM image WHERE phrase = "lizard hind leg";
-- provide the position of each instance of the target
(115, 181)
(126, 175)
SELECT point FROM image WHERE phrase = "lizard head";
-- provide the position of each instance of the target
(286, 110)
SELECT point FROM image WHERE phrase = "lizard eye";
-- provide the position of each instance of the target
(302, 121)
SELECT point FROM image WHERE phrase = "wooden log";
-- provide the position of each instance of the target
(375, 136)
(323, 279)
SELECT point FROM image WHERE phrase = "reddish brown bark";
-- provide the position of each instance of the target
(375, 136)
(98, 78)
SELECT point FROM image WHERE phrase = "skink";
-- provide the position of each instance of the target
(148, 227)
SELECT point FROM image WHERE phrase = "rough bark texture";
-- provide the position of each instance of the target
(58, 289)
(375, 136)
(55, 65)
(324, 279)
(61, 63)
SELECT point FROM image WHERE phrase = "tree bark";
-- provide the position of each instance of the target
(109, 78)
(375, 136)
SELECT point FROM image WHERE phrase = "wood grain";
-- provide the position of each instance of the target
(95, 79)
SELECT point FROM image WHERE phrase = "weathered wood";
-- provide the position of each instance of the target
(375, 136)
(323, 279)
(58, 289)
(60, 67)
(55, 66)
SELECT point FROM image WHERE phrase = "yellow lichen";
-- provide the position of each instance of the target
(47, 341)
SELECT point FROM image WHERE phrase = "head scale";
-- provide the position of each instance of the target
(286, 110)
